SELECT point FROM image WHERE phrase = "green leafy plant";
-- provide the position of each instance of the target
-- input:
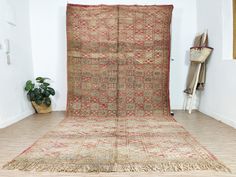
(39, 92)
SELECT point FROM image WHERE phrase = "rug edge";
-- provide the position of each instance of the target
(168, 166)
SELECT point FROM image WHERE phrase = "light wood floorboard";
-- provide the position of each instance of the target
(217, 137)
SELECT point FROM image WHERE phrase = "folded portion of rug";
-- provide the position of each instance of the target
(117, 145)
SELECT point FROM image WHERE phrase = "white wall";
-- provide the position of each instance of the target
(48, 24)
(13, 103)
(219, 98)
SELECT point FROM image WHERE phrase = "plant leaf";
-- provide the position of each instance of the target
(46, 84)
(47, 101)
(42, 86)
(46, 93)
(28, 82)
(39, 97)
(51, 90)
(29, 85)
(38, 102)
(31, 96)
(37, 91)
(41, 79)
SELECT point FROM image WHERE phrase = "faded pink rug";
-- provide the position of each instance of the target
(118, 99)
(117, 145)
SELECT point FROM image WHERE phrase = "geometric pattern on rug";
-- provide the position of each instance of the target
(117, 145)
(118, 60)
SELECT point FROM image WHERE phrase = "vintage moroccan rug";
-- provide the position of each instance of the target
(118, 114)
(118, 60)
(133, 144)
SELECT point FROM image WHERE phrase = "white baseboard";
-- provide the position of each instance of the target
(181, 107)
(12, 120)
(219, 117)
(59, 109)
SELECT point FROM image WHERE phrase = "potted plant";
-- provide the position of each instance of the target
(39, 94)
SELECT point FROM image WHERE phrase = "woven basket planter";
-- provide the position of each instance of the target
(42, 108)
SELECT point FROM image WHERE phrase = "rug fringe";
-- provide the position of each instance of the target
(167, 166)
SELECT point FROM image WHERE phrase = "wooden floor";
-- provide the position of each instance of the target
(217, 137)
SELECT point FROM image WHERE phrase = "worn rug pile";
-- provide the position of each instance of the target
(118, 114)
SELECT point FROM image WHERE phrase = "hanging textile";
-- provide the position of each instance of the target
(118, 60)
(198, 54)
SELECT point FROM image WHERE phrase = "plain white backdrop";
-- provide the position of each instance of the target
(219, 98)
(13, 103)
